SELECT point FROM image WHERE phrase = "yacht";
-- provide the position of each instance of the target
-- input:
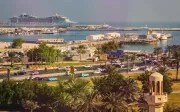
(163, 37)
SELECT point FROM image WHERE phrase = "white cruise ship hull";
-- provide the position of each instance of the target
(40, 25)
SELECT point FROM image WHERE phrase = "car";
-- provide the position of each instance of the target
(119, 65)
(97, 72)
(115, 61)
(148, 69)
(87, 66)
(101, 69)
(60, 68)
(35, 73)
(20, 73)
(84, 75)
(52, 79)
(38, 78)
(134, 69)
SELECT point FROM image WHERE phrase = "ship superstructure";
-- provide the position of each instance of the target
(25, 20)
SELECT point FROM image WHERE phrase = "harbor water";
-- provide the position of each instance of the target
(81, 35)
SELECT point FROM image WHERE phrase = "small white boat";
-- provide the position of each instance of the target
(163, 37)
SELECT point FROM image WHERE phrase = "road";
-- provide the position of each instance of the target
(55, 72)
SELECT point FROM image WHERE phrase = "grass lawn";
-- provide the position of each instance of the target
(176, 86)
(173, 72)
(174, 98)
(132, 75)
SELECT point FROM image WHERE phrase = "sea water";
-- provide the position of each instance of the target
(81, 35)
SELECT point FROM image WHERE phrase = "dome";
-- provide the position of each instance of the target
(156, 76)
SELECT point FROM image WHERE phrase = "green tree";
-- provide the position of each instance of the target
(81, 50)
(98, 51)
(176, 55)
(171, 108)
(167, 81)
(30, 105)
(144, 78)
(164, 60)
(17, 43)
(44, 95)
(43, 53)
(14, 57)
(112, 45)
(129, 90)
(157, 51)
(89, 103)
(114, 103)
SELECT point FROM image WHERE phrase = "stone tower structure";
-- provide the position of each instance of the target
(156, 98)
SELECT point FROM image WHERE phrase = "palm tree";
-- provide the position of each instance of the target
(133, 58)
(176, 55)
(89, 104)
(129, 90)
(81, 50)
(167, 80)
(164, 60)
(114, 103)
(157, 51)
(62, 99)
(98, 51)
(78, 89)
(112, 45)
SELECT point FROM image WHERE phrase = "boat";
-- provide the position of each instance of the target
(104, 27)
(163, 37)
(169, 35)
(50, 32)
(25, 20)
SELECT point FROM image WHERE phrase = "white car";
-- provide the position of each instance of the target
(35, 73)
(149, 69)
(87, 66)
(97, 72)
(101, 69)
(60, 68)
(134, 69)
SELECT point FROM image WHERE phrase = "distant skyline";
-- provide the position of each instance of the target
(95, 10)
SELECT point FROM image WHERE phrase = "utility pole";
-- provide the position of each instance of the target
(127, 63)
(8, 74)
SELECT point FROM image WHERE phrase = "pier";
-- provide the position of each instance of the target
(126, 29)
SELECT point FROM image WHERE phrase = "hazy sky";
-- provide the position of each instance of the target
(96, 10)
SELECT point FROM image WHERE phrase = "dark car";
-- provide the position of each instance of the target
(38, 78)
(20, 73)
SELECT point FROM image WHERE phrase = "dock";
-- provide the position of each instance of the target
(126, 29)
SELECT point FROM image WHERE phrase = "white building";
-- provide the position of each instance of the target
(113, 35)
(95, 37)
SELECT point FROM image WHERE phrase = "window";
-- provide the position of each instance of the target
(158, 87)
(153, 85)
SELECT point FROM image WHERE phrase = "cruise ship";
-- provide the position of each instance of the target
(25, 20)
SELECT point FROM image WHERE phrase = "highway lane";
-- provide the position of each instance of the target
(55, 72)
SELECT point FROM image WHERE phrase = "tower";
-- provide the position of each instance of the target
(156, 98)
